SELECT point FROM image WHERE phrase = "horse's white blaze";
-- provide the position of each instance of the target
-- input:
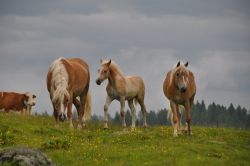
(59, 81)
(184, 81)
(61, 110)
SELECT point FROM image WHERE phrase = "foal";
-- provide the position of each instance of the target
(121, 88)
(180, 88)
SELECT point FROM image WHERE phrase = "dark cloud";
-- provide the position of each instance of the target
(144, 37)
(46, 7)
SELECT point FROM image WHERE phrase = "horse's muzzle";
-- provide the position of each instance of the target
(183, 90)
(98, 82)
(62, 117)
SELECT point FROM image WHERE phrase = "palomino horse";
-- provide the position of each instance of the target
(179, 87)
(66, 80)
(121, 88)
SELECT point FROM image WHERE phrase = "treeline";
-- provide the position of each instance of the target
(215, 115)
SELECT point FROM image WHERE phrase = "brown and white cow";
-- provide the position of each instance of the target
(11, 101)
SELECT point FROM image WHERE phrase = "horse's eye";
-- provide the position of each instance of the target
(177, 74)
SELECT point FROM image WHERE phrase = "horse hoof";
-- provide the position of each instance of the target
(175, 134)
(105, 128)
(79, 127)
(71, 126)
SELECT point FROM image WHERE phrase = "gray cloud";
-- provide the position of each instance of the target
(144, 38)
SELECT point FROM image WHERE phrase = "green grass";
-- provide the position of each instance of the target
(116, 146)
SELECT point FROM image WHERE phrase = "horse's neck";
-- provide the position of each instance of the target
(114, 77)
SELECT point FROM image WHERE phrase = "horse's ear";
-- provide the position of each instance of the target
(186, 64)
(100, 60)
(109, 62)
(178, 64)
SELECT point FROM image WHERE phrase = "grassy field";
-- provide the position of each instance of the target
(116, 146)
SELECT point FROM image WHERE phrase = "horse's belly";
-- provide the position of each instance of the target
(113, 94)
(179, 100)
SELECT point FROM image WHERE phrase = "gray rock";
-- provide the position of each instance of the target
(24, 156)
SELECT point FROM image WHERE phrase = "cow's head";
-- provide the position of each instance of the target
(30, 99)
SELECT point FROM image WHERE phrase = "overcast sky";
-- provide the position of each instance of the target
(144, 37)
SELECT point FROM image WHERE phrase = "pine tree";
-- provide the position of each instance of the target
(151, 118)
(116, 120)
(231, 113)
(162, 117)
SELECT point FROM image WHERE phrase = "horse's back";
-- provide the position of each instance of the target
(78, 61)
(134, 80)
(135, 84)
(77, 66)
(80, 72)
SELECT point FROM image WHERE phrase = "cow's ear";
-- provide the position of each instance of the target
(186, 64)
(34, 96)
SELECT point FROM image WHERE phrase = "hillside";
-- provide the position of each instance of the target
(152, 146)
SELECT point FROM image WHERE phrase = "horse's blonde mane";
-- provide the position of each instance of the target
(59, 80)
(114, 67)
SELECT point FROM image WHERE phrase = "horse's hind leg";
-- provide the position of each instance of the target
(174, 118)
(83, 98)
(77, 104)
(132, 108)
(144, 112)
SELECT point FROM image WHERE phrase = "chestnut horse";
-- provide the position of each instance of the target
(179, 87)
(121, 88)
(68, 79)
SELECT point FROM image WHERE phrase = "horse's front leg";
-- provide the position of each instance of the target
(55, 113)
(188, 117)
(106, 107)
(122, 111)
(174, 119)
(178, 112)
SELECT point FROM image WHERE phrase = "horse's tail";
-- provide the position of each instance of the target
(87, 113)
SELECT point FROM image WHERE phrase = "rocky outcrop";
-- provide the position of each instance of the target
(24, 156)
